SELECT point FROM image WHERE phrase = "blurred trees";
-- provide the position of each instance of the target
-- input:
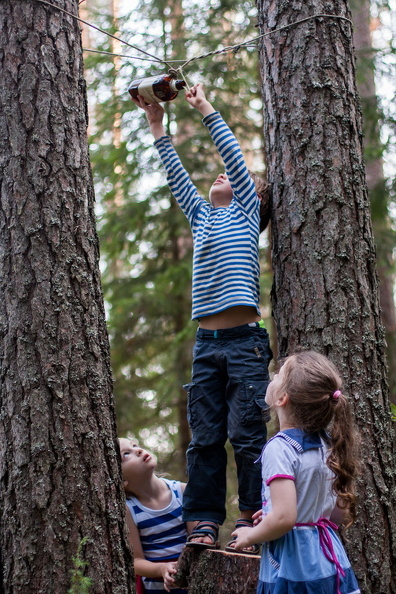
(374, 117)
(145, 239)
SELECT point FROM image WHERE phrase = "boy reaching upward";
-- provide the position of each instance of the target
(231, 353)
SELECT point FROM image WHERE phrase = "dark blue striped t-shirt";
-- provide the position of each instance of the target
(162, 532)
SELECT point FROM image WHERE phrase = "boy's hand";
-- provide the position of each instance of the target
(154, 114)
(196, 98)
(196, 95)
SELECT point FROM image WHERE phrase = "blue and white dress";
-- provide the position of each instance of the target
(310, 559)
(162, 533)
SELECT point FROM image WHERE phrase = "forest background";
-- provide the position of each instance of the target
(146, 247)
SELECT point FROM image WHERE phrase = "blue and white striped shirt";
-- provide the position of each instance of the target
(226, 267)
(162, 532)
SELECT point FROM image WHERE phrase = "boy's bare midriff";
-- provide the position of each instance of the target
(229, 318)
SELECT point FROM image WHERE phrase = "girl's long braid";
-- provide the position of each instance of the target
(316, 404)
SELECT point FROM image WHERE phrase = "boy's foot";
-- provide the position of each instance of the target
(252, 549)
(204, 536)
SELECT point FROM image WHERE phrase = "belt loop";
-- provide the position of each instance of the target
(215, 334)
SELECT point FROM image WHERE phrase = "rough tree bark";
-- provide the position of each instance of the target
(217, 572)
(325, 293)
(59, 469)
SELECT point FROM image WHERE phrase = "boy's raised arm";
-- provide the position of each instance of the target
(178, 179)
(154, 114)
(229, 150)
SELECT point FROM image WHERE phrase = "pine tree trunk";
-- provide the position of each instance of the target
(59, 469)
(325, 293)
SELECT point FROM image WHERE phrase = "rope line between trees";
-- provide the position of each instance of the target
(252, 41)
(179, 69)
(154, 58)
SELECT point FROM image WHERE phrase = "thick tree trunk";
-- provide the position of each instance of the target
(217, 572)
(59, 468)
(325, 293)
(379, 195)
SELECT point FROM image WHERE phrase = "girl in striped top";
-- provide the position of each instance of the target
(157, 532)
(231, 353)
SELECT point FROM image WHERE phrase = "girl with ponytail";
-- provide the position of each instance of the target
(309, 469)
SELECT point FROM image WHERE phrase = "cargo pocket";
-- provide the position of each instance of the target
(255, 409)
(200, 422)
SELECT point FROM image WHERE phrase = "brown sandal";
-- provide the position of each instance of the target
(202, 529)
(252, 549)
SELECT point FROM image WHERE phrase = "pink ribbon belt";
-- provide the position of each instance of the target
(326, 544)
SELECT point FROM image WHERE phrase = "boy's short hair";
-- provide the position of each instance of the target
(262, 188)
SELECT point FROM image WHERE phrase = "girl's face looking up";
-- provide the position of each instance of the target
(136, 462)
(274, 390)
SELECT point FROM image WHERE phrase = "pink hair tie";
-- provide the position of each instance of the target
(336, 394)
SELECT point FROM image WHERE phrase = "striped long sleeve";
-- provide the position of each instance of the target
(226, 259)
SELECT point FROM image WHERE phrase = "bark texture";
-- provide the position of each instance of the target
(325, 292)
(59, 470)
(217, 572)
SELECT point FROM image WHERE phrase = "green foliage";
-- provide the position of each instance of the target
(393, 411)
(145, 239)
(375, 60)
(80, 584)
